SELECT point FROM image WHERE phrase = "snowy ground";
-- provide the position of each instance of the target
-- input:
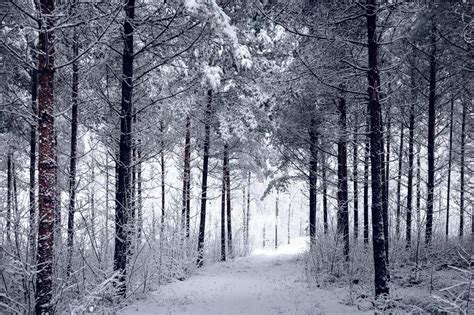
(268, 282)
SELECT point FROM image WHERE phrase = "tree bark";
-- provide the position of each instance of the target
(8, 225)
(247, 221)
(185, 212)
(366, 182)
(355, 175)
(46, 160)
(223, 219)
(376, 151)
(431, 133)
(450, 154)
(73, 155)
(205, 170)
(313, 169)
(276, 222)
(32, 167)
(461, 172)
(325, 194)
(411, 140)
(342, 188)
(122, 195)
(229, 209)
(399, 183)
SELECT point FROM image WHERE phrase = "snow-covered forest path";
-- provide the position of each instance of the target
(267, 282)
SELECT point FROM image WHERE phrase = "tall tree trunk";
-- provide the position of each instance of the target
(342, 188)
(163, 175)
(355, 175)
(122, 195)
(186, 178)
(8, 224)
(313, 169)
(418, 189)
(247, 221)
(366, 182)
(289, 222)
(325, 194)
(399, 183)
(461, 171)
(385, 186)
(73, 155)
(46, 161)
(276, 221)
(431, 133)
(244, 217)
(376, 150)
(229, 209)
(223, 221)
(205, 170)
(32, 167)
(411, 140)
(139, 205)
(450, 155)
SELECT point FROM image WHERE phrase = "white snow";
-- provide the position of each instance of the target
(268, 282)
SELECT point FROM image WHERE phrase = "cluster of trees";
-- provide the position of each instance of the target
(109, 106)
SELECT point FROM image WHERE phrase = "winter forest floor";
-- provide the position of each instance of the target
(267, 282)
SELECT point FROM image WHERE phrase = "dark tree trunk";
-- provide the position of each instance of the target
(205, 170)
(411, 141)
(355, 175)
(376, 153)
(399, 183)
(342, 188)
(366, 182)
(385, 186)
(244, 217)
(73, 156)
(431, 134)
(8, 224)
(32, 167)
(247, 221)
(228, 200)
(185, 213)
(46, 161)
(223, 221)
(325, 194)
(122, 195)
(450, 153)
(461, 172)
(139, 204)
(313, 169)
(163, 187)
(418, 189)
